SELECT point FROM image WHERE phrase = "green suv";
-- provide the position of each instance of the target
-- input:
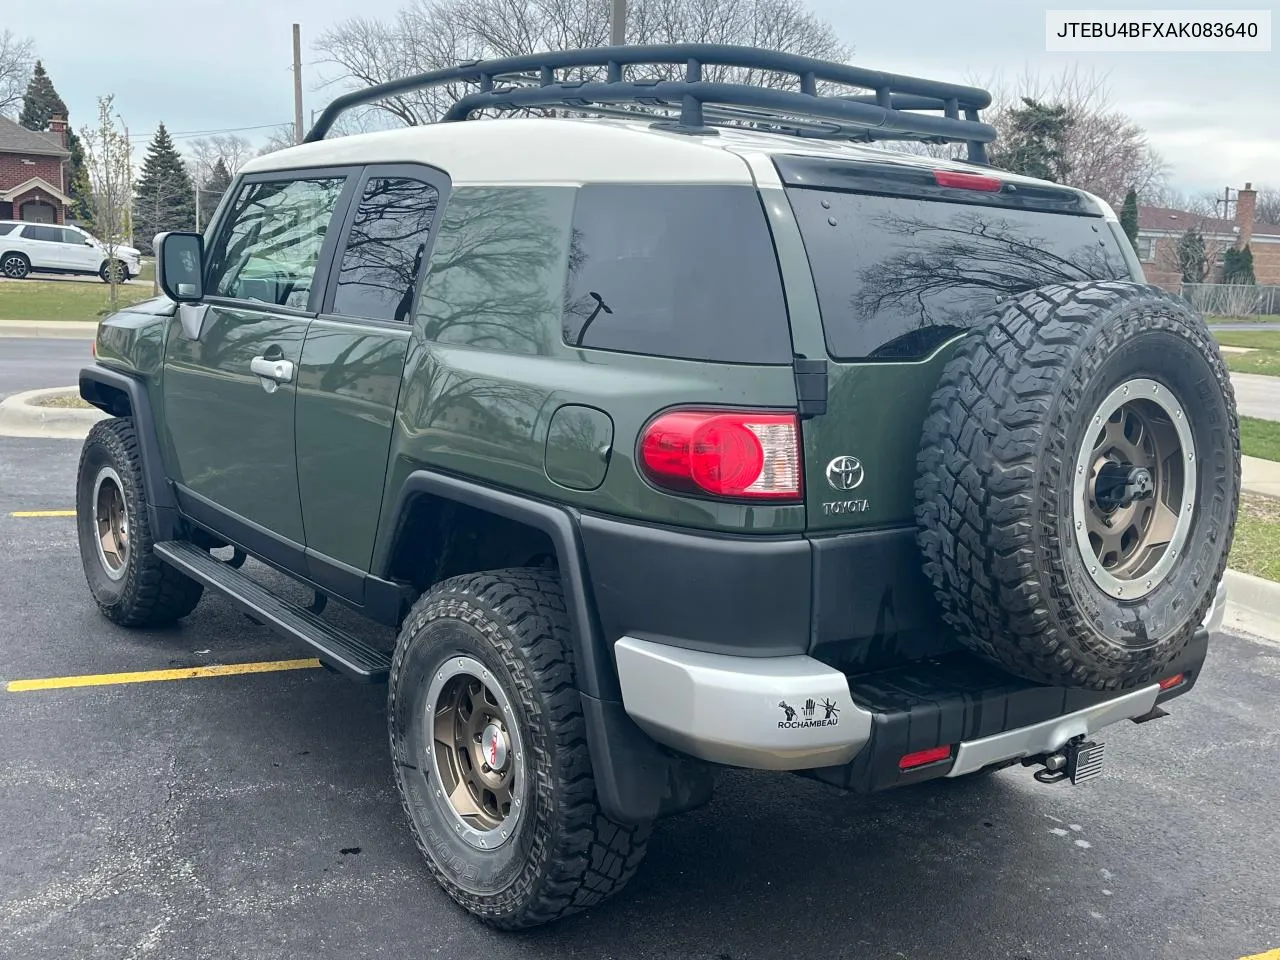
(681, 432)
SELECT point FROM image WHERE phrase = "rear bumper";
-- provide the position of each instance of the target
(796, 713)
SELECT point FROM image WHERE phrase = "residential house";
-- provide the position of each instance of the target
(1160, 229)
(34, 176)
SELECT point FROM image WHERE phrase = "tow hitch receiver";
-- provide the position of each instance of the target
(1078, 761)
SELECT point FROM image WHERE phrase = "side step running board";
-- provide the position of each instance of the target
(334, 647)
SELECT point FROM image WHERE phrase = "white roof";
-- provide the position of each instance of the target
(528, 150)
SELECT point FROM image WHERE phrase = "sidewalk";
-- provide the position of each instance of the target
(1260, 476)
(49, 329)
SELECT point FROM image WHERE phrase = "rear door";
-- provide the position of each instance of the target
(43, 245)
(352, 366)
(902, 268)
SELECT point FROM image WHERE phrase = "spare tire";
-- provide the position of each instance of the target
(1077, 483)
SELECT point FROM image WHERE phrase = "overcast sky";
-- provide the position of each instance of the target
(203, 65)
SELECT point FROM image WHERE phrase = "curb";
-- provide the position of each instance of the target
(21, 417)
(1253, 605)
(50, 329)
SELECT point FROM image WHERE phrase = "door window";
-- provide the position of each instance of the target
(270, 245)
(385, 247)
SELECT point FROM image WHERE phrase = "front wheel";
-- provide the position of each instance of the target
(114, 271)
(490, 753)
(132, 586)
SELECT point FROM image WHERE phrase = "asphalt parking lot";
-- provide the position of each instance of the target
(254, 815)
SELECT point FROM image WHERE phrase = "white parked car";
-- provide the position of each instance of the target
(52, 248)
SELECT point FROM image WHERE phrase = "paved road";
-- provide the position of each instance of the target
(1238, 327)
(1257, 396)
(256, 817)
(32, 364)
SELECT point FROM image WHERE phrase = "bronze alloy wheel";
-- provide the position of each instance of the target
(1134, 488)
(111, 522)
(476, 753)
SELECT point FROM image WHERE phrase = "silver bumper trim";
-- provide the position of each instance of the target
(1051, 735)
(767, 713)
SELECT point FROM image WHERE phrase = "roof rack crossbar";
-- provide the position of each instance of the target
(897, 107)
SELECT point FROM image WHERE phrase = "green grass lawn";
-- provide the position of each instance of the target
(1260, 438)
(1256, 548)
(65, 299)
(1252, 318)
(1266, 346)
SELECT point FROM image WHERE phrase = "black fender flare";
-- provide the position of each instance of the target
(637, 780)
(596, 675)
(121, 395)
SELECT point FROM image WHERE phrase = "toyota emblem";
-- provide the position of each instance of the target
(845, 473)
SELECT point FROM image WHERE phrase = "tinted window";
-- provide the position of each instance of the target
(496, 274)
(71, 236)
(385, 248)
(897, 277)
(269, 246)
(47, 234)
(6, 228)
(679, 271)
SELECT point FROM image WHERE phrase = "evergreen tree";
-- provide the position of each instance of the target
(1035, 144)
(1237, 266)
(78, 186)
(1129, 217)
(41, 101)
(214, 186)
(165, 196)
(1191, 256)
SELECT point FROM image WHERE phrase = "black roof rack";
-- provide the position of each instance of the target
(895, 108)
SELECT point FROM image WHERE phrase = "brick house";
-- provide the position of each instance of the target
(34, 172)
(1160, 229)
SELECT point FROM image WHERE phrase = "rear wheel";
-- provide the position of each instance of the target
(490, 753)
(1077, 483)
(15, 266)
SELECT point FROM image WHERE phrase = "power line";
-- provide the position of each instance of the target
(187, 134)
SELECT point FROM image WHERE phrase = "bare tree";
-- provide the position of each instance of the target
(280, 138)
(109, 160)
(16, 57)
(232, 150)
(1268, 209)
(432, 34)
(1104, 150)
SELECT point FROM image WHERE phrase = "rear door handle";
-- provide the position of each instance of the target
(281, 371)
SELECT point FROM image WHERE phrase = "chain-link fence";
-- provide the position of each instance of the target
(1232, 299)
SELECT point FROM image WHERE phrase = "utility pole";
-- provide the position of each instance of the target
(1225, 203)
(618, 23)
(297, 84)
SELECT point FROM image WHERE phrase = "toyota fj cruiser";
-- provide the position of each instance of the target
(684, 433)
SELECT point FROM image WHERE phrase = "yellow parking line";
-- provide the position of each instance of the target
(43, 513)
(1269, 955)
(146, 676)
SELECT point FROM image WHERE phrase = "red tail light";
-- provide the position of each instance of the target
(924, 757)
(724, 453)
(1168, 683)
(967, 181)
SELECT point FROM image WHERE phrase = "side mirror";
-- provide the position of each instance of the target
(180, 266)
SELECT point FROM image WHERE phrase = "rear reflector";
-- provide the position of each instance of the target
(738, 454)
(1168, 683)
(924, 757)
(967, 181)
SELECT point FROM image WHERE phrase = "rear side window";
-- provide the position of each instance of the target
(47, 234)
(675, 271)
(897, 277)
(384, 249)
(6, 228)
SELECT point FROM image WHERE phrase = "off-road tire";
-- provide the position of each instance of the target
(150, 593)
(993, 489)
(15, 266)
(565, 855)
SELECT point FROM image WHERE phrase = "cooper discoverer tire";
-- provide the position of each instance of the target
(132, 586)
(499, 792)
(1077, 483)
